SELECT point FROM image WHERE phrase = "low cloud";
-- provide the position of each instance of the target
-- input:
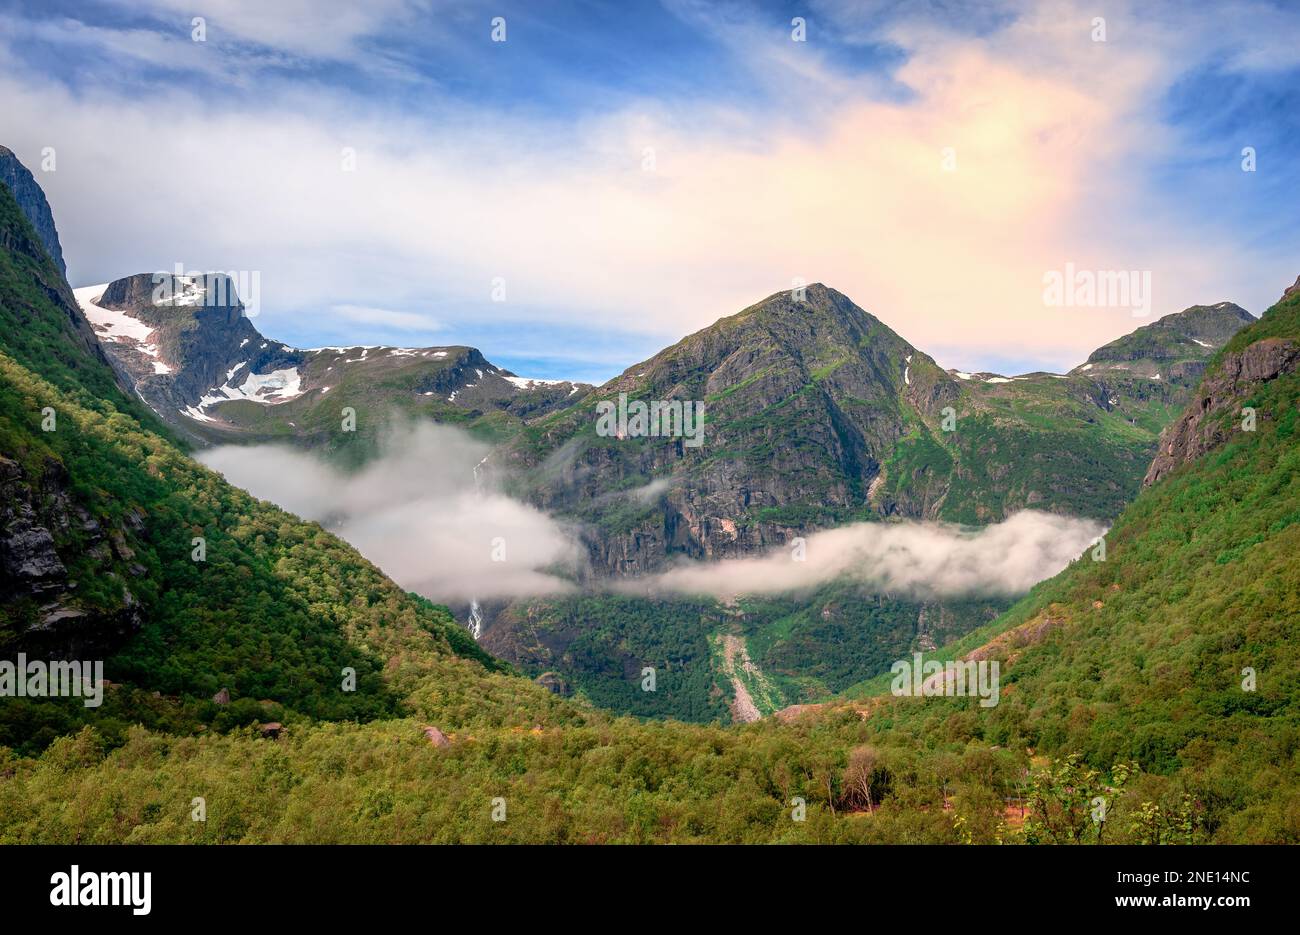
(918, 559)
(652, 490)
(417, 513)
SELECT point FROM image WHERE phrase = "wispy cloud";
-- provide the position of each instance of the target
(418, 513)
(402, 321)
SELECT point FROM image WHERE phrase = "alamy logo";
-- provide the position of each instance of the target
(658, 418)
(103, 889)
(1107, 288)
(58, 679)
(951, 679)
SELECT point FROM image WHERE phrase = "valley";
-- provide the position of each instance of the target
(818, 415)
(313, 699)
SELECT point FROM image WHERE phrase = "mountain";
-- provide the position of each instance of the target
(189, 349)
(1176, 348)
(1223, 396)
(33, 204)
(817, 413)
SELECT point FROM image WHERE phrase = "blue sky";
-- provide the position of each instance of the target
(631, 172)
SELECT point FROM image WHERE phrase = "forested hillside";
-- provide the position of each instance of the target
(115, 543)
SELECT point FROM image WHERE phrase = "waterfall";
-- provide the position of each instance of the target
(475, 622)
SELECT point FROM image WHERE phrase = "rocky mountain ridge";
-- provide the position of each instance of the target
(1222, 405)
(817, 414)
(201, 364)
(33, 203)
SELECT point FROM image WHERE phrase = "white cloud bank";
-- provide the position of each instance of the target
(416, 513)
(915, 559)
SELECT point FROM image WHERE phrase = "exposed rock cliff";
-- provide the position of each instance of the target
(1216, 411)
(44, 533)
(31, 199)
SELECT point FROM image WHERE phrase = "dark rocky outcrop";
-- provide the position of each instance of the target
(199, 343)
(554, 683)
(31, 199)
(44, 532)
(1216, 411)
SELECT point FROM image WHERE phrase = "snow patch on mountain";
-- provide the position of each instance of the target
(527, 383)
(278, 386)
(111, 325)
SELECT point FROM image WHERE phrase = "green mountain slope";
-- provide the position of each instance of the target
(1180, 652)
(99, 528)
(808, 646)
(43, 331)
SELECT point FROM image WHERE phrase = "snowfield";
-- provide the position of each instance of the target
(526, 383)
(268, 389)
(114, 326)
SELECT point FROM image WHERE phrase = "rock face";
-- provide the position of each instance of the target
(554, 683)
(181, 339)
(803, 400)
(31, 199)
(435, 737)
(1291, 289)
(42, 533)
(1216, 411)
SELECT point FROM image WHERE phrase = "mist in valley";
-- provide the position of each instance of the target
(418, 513)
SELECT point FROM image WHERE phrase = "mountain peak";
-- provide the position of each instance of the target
(33, 203)
(1177, 345)
(188, 348)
